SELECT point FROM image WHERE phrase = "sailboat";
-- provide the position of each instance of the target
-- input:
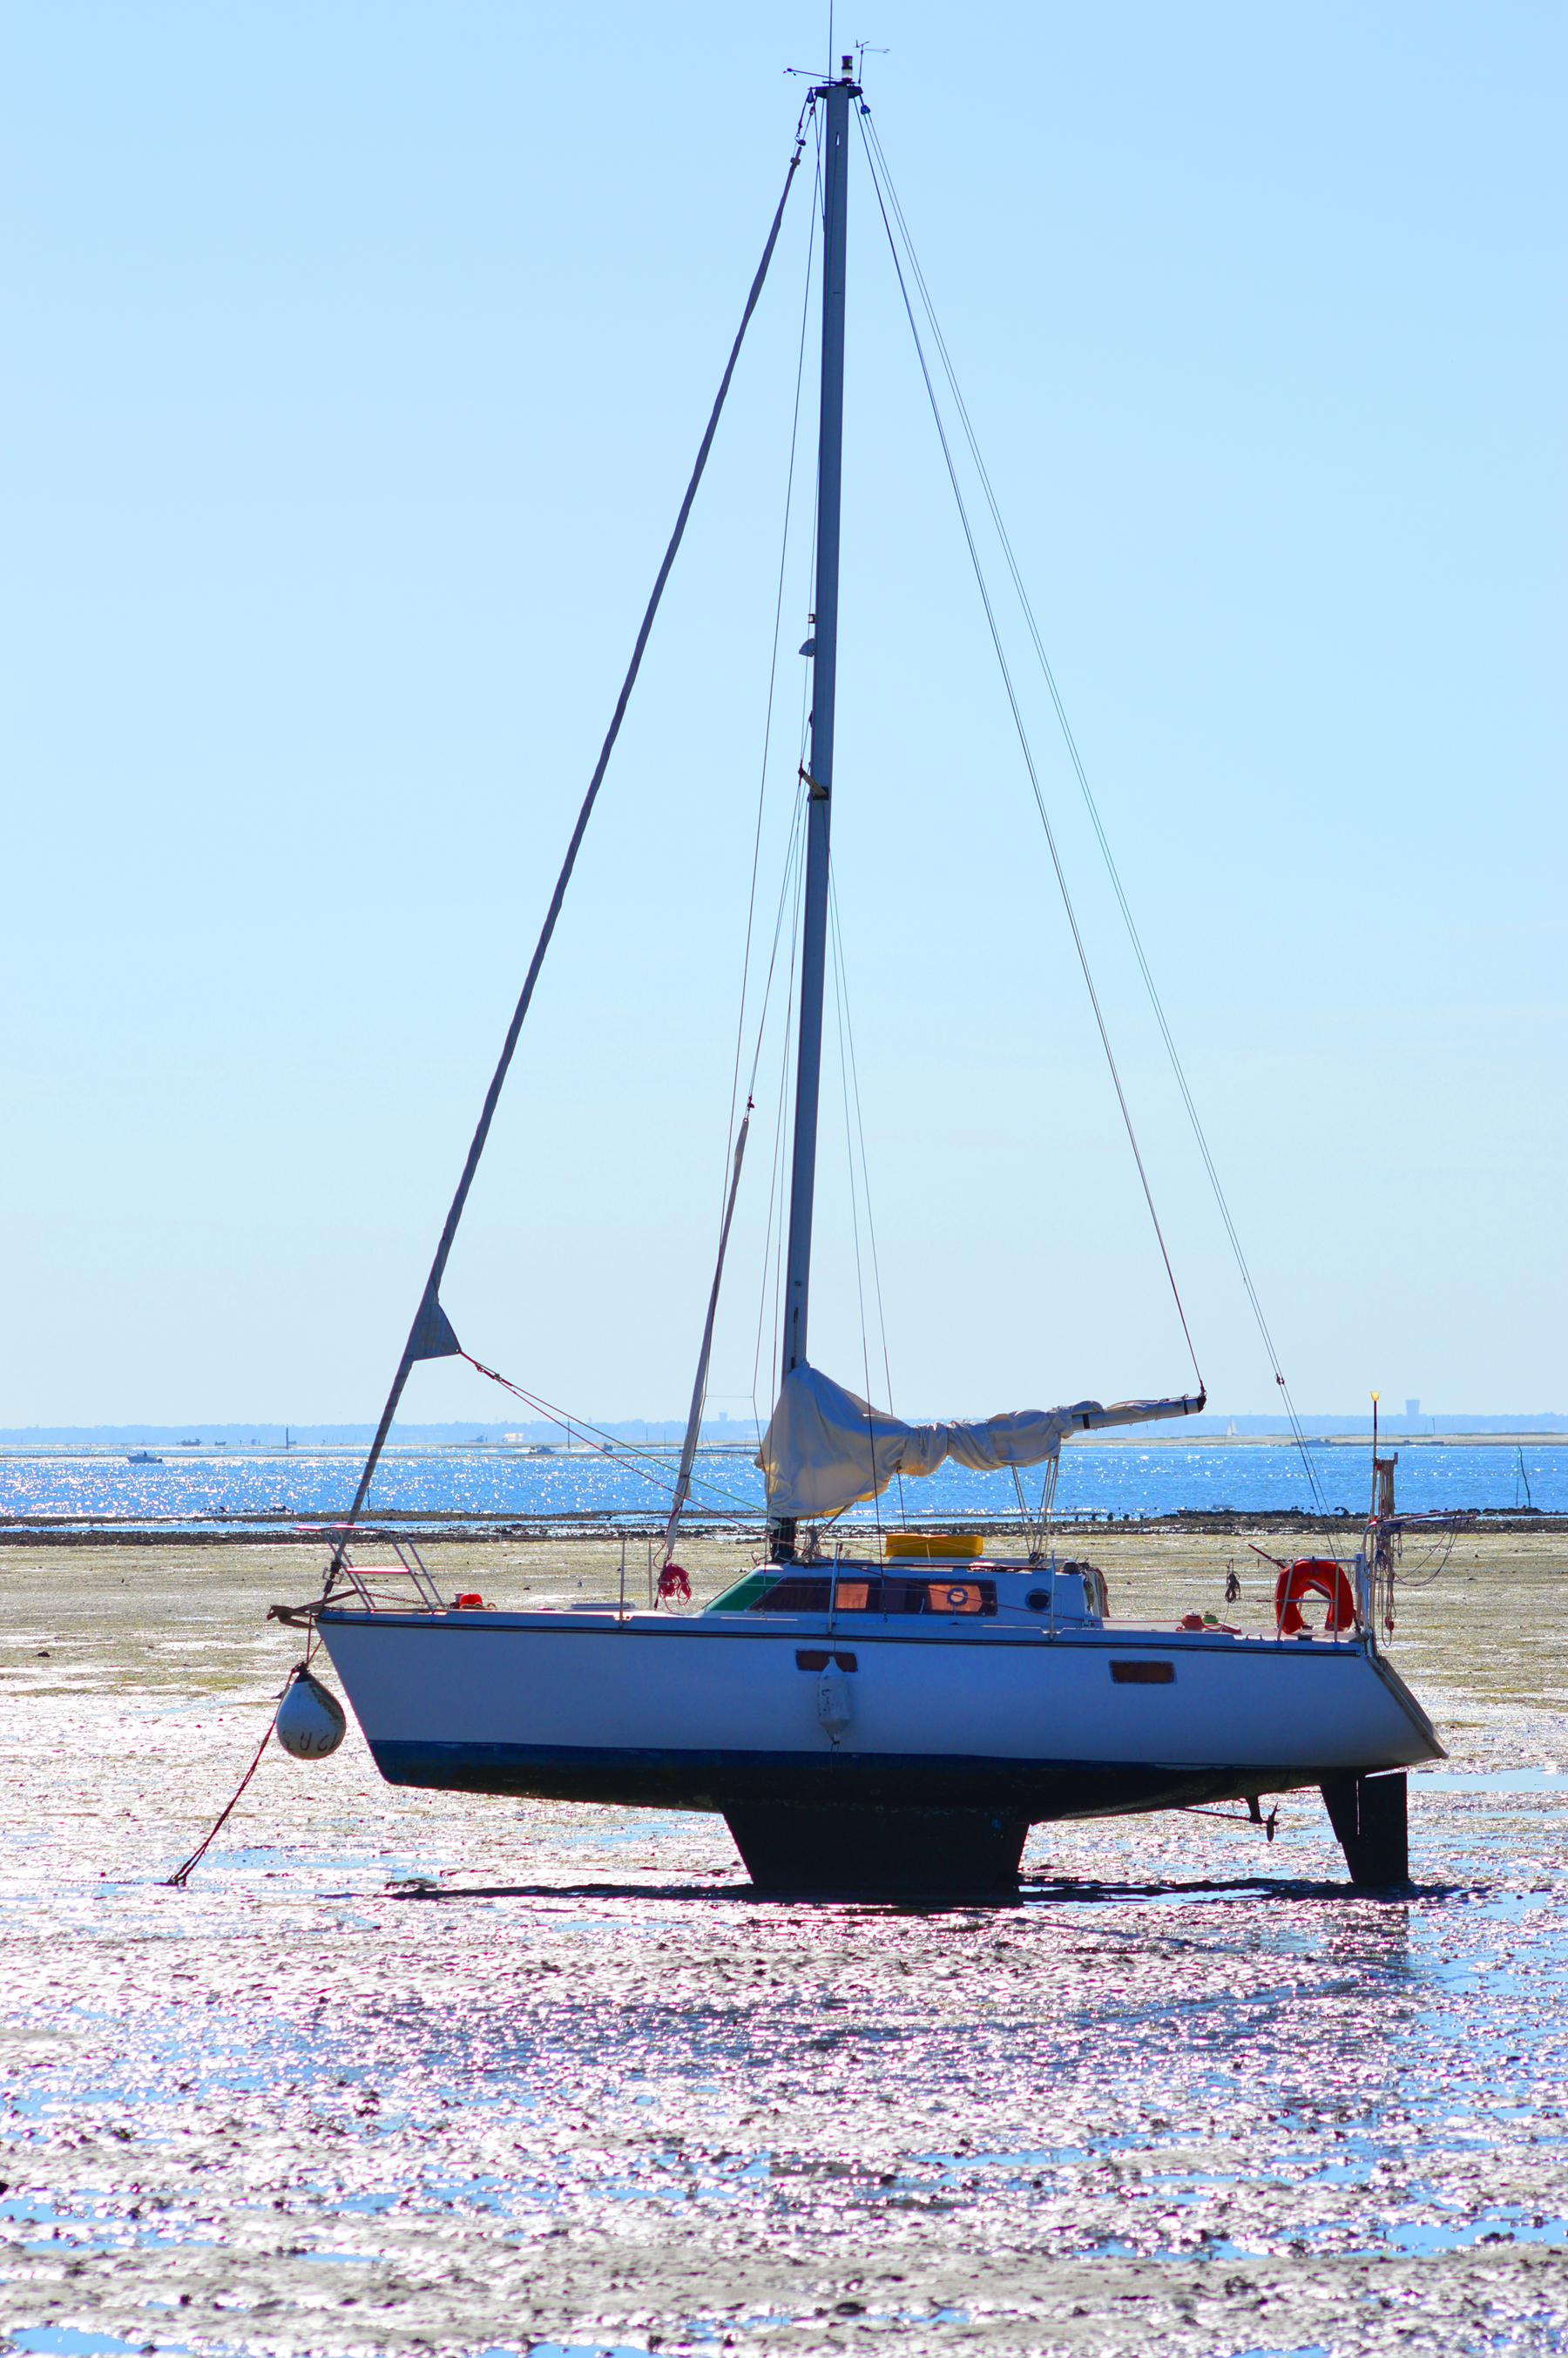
(886, 1723)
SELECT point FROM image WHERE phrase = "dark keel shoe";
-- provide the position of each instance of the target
(854, 1850)
(1367, 1814)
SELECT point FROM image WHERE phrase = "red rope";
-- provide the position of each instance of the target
(181, 1876)
(505, 1381)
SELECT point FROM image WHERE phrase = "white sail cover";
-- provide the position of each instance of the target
(825, 1448)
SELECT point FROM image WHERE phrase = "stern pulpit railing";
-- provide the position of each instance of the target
(401, 1587)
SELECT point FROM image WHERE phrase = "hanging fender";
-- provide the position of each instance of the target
(1312, 1576)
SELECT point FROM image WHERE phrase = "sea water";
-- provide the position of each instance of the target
(1102, 1480)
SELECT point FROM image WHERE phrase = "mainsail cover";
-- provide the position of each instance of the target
(825, 1448)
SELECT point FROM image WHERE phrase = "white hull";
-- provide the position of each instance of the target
(718, 1711)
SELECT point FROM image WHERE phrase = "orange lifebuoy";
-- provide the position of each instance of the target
(1314, 1575)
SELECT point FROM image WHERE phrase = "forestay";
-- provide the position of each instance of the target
(825, 1448)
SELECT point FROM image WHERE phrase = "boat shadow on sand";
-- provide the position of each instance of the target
(1033, 1891)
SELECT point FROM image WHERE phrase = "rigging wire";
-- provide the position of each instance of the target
(774, 1250)
(794, 873)
(625, 1454)
(772, 683)
(734, 1148)
(781, 1098)
(1048, 1490)
(838, 949)
(429, 1319)
(1029, 758)
(800, 817)
(879, 167)
(1029, 1530)
(841, 978)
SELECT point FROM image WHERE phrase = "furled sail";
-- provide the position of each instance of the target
(825, 1448)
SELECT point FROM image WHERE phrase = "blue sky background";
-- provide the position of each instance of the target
(356, 358)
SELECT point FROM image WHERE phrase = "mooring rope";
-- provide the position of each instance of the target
(181, 1876)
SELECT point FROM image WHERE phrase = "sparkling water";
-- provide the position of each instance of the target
(1100, 1479)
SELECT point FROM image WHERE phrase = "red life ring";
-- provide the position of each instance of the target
(1314, 1575)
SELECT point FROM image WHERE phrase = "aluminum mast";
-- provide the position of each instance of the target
(837, 96)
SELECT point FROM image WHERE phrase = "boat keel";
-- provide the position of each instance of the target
(853, 1851)
(1367, 1814)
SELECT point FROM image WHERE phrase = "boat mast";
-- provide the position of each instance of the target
(836, 97)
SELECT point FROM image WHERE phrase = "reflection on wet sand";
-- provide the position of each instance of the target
(405, 2070)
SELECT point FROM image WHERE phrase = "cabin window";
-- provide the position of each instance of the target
(958, 1596)
(744, 1594)
(811, 1592)
(1143, 1674)
(809, 1657)
(794, 1592)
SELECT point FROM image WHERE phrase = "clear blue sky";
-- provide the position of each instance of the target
(356, 357)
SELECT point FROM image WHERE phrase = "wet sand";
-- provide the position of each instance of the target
(1188, 2094)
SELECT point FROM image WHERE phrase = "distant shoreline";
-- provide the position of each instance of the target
(180, 1452)
(227, 1434)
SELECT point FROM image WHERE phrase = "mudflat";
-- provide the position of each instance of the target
(405, 2070)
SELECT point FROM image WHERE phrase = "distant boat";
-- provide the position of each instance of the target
(143, 1457)
(191, 1445)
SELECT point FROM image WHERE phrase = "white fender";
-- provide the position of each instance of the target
(833, 1706)
(310, 1722)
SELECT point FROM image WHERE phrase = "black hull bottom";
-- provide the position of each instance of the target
(884, 1825)
(1035, 1791)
